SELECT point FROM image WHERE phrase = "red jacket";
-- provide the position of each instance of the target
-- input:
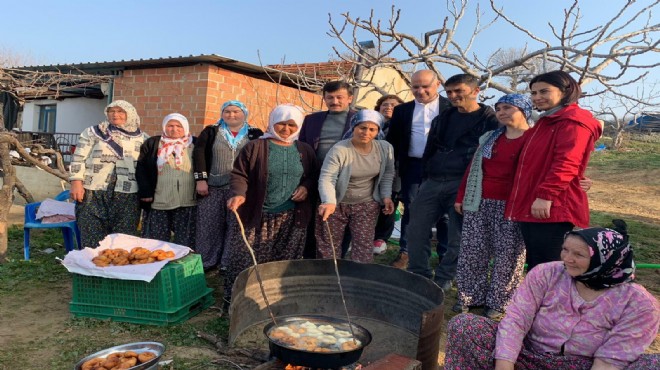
(551, 164)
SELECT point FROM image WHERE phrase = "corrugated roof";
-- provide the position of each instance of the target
(110, 67)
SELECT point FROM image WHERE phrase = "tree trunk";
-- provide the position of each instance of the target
(617, 140)
(6, 197)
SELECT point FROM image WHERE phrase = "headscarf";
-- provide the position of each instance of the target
(282, 113)
(524, 103)
(231, 139)
(363, 116)
(168, 146)
(111, 134)
(611, 257)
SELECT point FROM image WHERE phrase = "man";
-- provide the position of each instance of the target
(409, 129)
(324, 129)
(452, 141)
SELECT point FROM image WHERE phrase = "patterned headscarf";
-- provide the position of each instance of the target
(231, 139)
(111, 134)
(282, 113)
(363, 116)
(524, 103)
(611, 258)
(169, 146)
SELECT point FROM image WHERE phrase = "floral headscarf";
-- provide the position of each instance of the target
(231, 139)
(111, 134)
(169, 146)
(611, 258)
(363, 116)
(282, 113)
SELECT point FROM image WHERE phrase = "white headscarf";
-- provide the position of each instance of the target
(282, 113)
(168, 145)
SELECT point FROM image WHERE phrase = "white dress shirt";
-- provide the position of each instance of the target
(423, 114)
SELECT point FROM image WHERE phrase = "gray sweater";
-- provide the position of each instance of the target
(336, 172)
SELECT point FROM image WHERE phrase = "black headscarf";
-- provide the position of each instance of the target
(611, 256)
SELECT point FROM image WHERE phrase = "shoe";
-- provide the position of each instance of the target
(459, 308)
(445, 285)
(494, 314)
(380, 246)
(401, 261)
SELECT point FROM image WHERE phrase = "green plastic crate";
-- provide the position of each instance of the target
(147, 317)
(179, 284)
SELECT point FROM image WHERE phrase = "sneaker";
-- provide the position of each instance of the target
(401, 261)
(380, 246)
(445, 285)
(494, 314)
(459, 308)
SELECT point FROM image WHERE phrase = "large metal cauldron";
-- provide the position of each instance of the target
(402, 311)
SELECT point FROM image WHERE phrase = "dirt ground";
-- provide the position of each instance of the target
(636, 195)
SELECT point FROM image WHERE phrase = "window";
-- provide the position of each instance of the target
(47, 115)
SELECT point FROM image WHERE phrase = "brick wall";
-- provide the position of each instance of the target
(199, 91)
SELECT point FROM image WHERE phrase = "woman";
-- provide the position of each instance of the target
(166, 185)
(269, 186)
(546, 198)
(481, 200)
(356, 178)
(385, 223)
(213, 159)
(103, 175)
(584, 312)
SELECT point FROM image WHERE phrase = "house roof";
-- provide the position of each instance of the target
(323, 71)
(115, 67)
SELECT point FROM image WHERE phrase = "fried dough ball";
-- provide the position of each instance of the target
(350, 345)
(111, 362)
(327, 329)
(101, 261)
(91, 364)
(146, 356)
(277, 334)
(130, 354)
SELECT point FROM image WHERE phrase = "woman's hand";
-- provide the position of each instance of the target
(458, 207)
(300, 194)
(146, 200)
(388, 206)
(326, 209)
(602, 365)
(202, 188)
(541, 208)
(586, 183)
(234, 202)
(77, 192)
(504, 365)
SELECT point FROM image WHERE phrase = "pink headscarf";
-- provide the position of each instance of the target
(169, 146)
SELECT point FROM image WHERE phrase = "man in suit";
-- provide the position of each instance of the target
(408, 132)
(324, 129)
(451, 143)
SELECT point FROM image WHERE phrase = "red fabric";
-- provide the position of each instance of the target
(498, 171)
(552, 162)
(234, 134)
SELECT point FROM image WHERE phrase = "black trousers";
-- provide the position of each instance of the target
(543, 241)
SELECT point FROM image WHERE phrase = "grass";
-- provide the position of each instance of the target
(645, 237)
(639, 153)
(78, 337)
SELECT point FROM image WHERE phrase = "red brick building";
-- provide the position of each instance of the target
(195, 86)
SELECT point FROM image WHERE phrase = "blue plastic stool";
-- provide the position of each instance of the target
(69, 229)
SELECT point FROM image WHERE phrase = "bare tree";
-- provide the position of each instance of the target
(609, 55)
(23, 83)
(617, 111)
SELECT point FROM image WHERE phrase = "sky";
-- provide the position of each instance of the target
(259, 32)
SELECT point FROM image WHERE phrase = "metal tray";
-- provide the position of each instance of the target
(137, 347)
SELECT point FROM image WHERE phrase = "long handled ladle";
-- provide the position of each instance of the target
(341, 291)
(256, 268)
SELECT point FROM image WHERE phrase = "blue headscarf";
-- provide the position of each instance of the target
(363, 116)
(522, 102)
(233, 141)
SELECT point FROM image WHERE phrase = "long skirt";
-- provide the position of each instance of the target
(278, 239)
(210, 235)
(471, 343)
(161, 224)
(361, 220)
(104, 212)
(488, 235)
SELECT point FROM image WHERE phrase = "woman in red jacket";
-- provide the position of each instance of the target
(546, 198)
